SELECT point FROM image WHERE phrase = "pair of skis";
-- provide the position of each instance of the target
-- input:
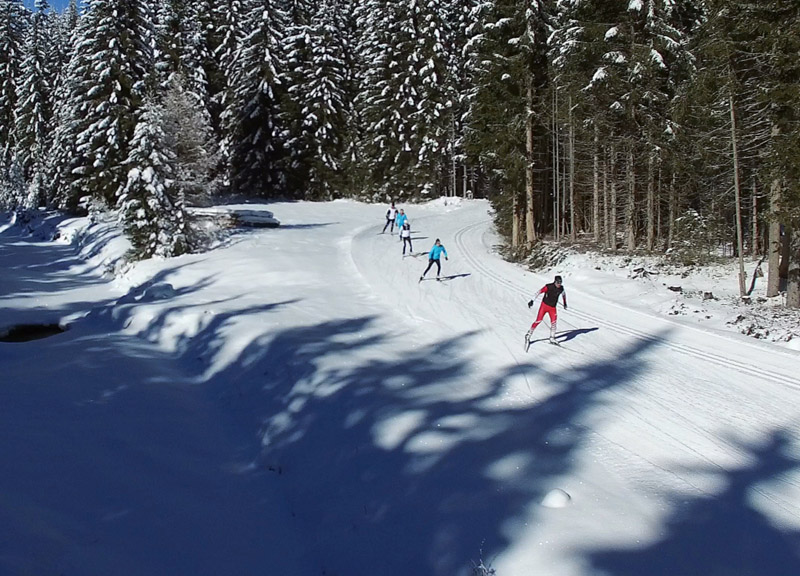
(528, 342)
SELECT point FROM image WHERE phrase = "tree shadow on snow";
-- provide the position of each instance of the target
(389, 461)
(722, 534)
(307, 226)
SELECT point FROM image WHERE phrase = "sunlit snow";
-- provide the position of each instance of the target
(295, 401)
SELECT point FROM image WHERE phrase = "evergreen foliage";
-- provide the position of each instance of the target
(252, 118)
(116, 57)
(641, 124)
(13, 22)
(316, 106)
(33, 114)
(404, 102)
(189, 138)
(151, 204)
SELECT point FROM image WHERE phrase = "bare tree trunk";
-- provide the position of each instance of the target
(530, 229)
(515, 223)
(556, 217)
(737, 191)
(454, 166)
(613, 201)
(754, 243)
(596, 186)
(773, 244)
(672, 209)
(651, 204)
(659, 195)
(630, 205)
(793, 277)
(573, 232)
(606, 219)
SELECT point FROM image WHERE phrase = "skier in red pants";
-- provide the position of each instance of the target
(550, 293)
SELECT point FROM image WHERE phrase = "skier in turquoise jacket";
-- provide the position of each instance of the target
(433, 257)
(401, 219)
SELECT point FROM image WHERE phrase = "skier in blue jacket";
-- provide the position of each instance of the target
(433, 256)
(401, 219)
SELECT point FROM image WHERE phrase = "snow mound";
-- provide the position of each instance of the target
(160, 291)
(556, 498)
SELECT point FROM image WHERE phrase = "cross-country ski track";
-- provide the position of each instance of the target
(296, 401)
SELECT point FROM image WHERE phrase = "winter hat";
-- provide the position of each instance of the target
(558, 279)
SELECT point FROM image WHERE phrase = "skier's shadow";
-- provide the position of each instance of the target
(442, 278)
(570, 334)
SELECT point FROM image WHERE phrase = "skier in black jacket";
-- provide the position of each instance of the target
(550, 293)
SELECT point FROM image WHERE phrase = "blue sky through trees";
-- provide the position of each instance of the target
(57, 4)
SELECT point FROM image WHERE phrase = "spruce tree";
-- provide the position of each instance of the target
(317, 95)
(405, 104)
(182, 50)
(189, 137)
(68, 117)
(116, 58)
(32, 128)
(229, 19)
(509, 112)
(151, 206)
(253, 115)
(13, 22)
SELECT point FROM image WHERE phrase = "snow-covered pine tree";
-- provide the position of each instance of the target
(113, 74)
(13, 22)
(778, 24)
(297, 49)
(460, 28)
(404, 102)
(151, 206)
(317, 94)
(252, 116)
(347, 18)
(208, 41)
(189, 137)
(168, 40)
(70, 17)
(32, 128)
(228, 16)
(435, 133)
(67, 116)
(12, 186)
(60, 27)
(195, 58)
(181, 49)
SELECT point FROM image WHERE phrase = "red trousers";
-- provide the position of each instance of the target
(549, 310)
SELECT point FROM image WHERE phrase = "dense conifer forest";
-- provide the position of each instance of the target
(659, 126)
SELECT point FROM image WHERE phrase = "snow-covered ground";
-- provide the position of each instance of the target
(707, 296)
(295, 402)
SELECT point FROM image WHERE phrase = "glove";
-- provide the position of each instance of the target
(445, 257)
(565, 306)
(530, 303)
